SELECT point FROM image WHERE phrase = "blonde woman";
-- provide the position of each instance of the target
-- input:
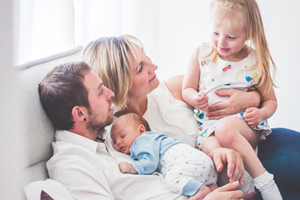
(130, 74)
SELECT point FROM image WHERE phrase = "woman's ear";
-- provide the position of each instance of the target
(78, 113)
(142, 129)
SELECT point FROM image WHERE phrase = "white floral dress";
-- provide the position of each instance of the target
(224, 75)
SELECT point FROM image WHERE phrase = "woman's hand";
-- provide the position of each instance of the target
(238, 102)
(234, 161)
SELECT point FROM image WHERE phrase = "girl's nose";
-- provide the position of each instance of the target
(222, 41)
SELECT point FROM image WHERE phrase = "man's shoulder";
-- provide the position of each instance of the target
(68, 153)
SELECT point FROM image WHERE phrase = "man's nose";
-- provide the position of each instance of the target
(109, 94)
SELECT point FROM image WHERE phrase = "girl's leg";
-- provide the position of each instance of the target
(279, 154)
(212, 143)
(236, 134)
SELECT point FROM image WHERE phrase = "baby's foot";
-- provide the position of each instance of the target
(212, 187)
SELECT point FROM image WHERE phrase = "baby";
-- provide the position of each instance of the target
(185, 169)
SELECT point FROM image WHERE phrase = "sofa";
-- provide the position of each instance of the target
(39, 134)
(38, 129)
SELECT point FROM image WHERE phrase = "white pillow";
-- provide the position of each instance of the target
(53, 188)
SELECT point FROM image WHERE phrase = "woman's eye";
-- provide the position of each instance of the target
(141, 68)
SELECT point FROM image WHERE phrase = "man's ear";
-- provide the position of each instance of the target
(142, 129)
(78, 113)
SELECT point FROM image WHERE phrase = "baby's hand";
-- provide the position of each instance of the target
(201, 101)
(125, 167)
(253, 116)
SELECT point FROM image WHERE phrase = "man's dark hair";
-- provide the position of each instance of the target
(61, 90)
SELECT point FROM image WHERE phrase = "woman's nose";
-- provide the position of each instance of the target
(152, 67)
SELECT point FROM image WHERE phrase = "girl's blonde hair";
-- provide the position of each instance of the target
(246, 13)
(114, 59)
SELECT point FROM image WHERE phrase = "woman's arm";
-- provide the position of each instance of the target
(174, 84)
(254, 116)
(238, 100)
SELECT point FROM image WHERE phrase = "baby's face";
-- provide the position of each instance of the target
(123, 134)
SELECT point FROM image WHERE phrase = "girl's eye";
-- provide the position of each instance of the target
(215, 33)
(231, 38)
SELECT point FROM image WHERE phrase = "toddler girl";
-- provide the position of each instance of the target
(237, 57)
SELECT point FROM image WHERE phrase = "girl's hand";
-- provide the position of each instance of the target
(253, 116)
(201, 101)
(125, 167)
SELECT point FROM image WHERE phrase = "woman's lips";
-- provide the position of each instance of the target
(153, 78)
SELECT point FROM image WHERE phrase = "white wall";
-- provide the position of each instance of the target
(10, 123)
(183, 25)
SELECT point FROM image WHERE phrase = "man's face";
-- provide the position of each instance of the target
(100, 102)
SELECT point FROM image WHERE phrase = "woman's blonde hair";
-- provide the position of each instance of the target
(114, 60)
(246, 13)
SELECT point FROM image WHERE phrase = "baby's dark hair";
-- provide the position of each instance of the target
(137, 119)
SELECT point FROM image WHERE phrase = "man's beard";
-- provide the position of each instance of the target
(95, 125)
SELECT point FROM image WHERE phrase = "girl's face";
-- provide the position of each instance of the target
(229, 40)
(144, 77)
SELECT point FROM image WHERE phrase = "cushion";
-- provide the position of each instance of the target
(47, 190)
(45, 196)
(38, 130)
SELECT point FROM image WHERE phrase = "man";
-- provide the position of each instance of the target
(79, 107)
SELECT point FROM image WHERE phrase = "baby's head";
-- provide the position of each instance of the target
(126, 129)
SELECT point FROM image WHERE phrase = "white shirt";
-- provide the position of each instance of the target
(90, 172)
(170, 116)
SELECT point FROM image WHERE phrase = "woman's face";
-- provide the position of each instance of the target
(144, 77)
